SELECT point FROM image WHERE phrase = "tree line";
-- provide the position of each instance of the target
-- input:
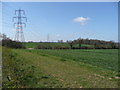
(79, 43)
(98, 44)
(5, 41)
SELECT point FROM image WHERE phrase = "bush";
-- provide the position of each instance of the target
(61, 47)
(48, 46)
(85, 47)
(44, 46)
(12, 44)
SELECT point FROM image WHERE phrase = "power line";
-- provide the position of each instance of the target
(4, 22)
(6, 12)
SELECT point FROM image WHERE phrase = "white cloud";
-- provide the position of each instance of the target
(81, 20)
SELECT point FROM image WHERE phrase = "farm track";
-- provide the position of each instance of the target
(68, 73)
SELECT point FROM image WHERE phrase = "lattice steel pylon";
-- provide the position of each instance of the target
(19, 24)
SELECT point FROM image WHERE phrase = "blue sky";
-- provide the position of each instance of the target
(64, 20)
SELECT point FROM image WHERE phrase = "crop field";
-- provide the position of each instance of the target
(53, 44)
(33, 45)
(107, 59)
(61, 68)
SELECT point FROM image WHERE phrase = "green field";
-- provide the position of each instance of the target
(61, 68)
(34, 44)
(106, 59)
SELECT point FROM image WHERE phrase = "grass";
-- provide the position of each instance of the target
(31, 45)
(0, 67)
(63, 68)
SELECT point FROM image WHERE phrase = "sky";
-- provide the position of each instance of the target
(60, 0)
(63, 20)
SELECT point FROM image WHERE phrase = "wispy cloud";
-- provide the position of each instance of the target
(81, 20)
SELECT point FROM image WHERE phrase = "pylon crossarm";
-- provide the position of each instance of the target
(14, 18)
(24, 24)
(25, 18)
(15, 24)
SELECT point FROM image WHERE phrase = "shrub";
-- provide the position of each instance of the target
(44, 46)
(12, 44)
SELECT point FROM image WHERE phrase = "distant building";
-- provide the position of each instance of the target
(60, 41)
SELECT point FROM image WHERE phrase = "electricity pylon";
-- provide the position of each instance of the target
(19, 24)
(48, 37)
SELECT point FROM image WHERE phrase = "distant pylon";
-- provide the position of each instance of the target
(48, 38)
(18, 25)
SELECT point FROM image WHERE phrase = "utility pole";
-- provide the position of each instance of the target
(19, 24)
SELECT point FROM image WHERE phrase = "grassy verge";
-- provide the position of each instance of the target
(20, 73)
